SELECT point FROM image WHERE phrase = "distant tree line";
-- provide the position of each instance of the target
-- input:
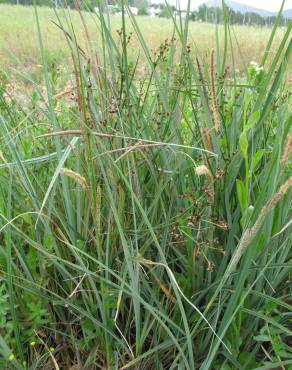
(50, 3)
(203, 14)
(216, 15)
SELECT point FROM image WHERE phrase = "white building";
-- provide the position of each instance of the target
(153, 12)
(112, 9)
(133, 10)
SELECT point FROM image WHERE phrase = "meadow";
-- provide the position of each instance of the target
(19, 37)
(145, 193)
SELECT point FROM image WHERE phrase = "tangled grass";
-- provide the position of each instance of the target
(145, 218)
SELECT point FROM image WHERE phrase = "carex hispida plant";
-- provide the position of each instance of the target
(146, 223)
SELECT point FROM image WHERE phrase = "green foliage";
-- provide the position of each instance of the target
(6, 326)
(165, 12)
(121, 229)
(142, 10)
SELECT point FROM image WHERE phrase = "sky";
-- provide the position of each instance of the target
(271, 5)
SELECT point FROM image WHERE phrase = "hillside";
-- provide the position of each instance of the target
(288, 13)
(243, 8)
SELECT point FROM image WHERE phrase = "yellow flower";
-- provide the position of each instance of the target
(11, 357)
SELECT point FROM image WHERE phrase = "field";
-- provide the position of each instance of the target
(145, 193)
(19, 40)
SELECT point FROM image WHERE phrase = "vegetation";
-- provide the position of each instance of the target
(145, 217)
(216, 15)
(20, 55)
(204, 13)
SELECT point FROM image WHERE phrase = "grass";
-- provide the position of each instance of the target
(18, 37)
(145, 218)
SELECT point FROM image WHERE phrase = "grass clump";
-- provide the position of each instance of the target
(145, 218)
